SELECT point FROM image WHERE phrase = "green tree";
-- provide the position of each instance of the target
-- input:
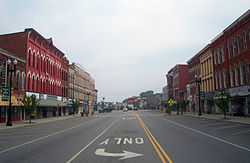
(30, 104)
(183, 106)
(75, 105)
(222, 101)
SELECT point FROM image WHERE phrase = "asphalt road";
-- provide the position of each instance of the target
(140, 136)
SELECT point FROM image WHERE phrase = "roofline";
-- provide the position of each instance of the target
(200, 52)
(46, 39)
(11, 55)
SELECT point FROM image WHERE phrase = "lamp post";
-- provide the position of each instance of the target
(198, 82)
(11, 68)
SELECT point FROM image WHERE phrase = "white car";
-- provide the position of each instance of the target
(125, 109)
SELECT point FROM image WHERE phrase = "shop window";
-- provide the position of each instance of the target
(34, 60)
(17, 85)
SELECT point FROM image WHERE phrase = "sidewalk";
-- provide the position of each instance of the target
(245, 120)
(36, 121)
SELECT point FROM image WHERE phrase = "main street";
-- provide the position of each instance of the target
(133, 136)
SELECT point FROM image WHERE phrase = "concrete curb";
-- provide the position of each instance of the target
(219, 118)
(34, 123)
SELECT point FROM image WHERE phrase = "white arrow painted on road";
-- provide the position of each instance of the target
(124, 155)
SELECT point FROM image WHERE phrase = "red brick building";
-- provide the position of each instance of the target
(180, 80)
(231, 56)
(192, 89)
(46, 67)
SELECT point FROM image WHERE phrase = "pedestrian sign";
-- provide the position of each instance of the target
(171, 102)
(5, 93)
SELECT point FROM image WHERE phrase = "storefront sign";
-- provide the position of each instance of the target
(240, 91)
(5, 93)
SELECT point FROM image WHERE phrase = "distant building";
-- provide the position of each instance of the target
(169, 77)
(165, 93)
(180, 80)
(82, 88)
(193, 72)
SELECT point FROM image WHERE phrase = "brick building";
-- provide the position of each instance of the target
(207, 79)
(169, 77)
(179, 81)
(192, 89)
(46, 69)
(82, 88)
(231, 55)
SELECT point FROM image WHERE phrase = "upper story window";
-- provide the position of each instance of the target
(34, 60)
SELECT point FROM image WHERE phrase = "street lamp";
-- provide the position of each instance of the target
(11, 68)
(198, 82)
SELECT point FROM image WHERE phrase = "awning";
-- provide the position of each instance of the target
(51, 103)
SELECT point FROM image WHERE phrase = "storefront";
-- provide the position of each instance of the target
(240, 101)
(18, 112)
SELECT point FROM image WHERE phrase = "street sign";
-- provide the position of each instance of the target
(5, 93)
(171, 102)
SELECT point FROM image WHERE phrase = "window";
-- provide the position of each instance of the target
(232, 78)
(244, 35)
(33, 84)
(23, 80)
(215, 58)
(34, 60)
(17, 80)
(222, 54)
(29, 58)
(235, 48)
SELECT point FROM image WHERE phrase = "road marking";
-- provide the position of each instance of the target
(91, 142)
(105, 142)
(227, 127)
(126, 140)
(241, 132)
(38, 139)
(210, 136)
(124, 155)
(164, 157)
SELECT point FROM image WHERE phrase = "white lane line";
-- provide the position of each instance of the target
(38, 139)
(227, 127)
(241, 132)
(210, 136)
(90, 143)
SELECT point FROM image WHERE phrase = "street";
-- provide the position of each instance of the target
(133, 136)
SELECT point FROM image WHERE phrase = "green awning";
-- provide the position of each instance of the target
(51, 103)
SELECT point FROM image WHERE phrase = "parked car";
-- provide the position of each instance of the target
(125, 109)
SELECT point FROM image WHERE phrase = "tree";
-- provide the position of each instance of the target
(30, 103)
(222, 101)
(75, 105)
(183, 105)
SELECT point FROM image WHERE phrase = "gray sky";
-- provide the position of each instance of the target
(127, 45)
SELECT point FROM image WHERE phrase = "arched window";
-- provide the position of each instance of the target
(34, 59)
(33, 84)
(29, 82)
(29, 57)
(37, 84)
(23, 80)
(18, 81)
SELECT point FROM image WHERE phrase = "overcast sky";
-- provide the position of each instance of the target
(126, 45)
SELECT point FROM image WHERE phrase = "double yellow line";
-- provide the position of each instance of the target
(159, 150)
